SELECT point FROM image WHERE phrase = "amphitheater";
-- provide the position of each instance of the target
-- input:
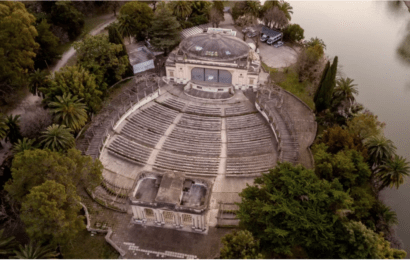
(178, 156)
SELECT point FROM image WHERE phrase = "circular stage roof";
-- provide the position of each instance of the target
(215, 47)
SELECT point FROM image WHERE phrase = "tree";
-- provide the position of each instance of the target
(102, 59)
(250, 8)
(215, 17)
(393, 171)
(13, 125)
(219, 5)
(69, 111)
(24, 144)
(380, 149)
(348, 166)
(137, 16)
(37, 80)
(240, 245)
(291, 207)
(7, 244)
(286, 9)
(64, 15)
(337, 139)
(365, 125)
(274, 17)
(50, 212)
(181, 9)
(115, 37)
(17, 44)
(293, 33)
(48, 42)
(33, 167)
(77, 81)
(345, 89)
(57, 138)
(165, 29)
(325, 90)
(3, 127)
(32, 251)
(363, 243)
(126, 27)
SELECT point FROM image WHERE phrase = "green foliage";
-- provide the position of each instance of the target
(64, 15)
(17, 41)
(293, 33)
(102, 59)
(348, 166)
(7, 244)
(3, 127)
(77, 81)
(240, 245)
(57, 138)
(291, 207)
(50, 212)
(24, 144)
(251, 8)
(135, 19)
(363, 243)
(181, 9)
(114, 36)
(380, 149)
(48, 51)
(33, 167)
(165, 29)
(13, 126)
(393, 171)
(69, 111)
(286, 9)
(32, 251)
(337, 138)
(365, 125)
(323, 97)
(345, 90)
(37, 80)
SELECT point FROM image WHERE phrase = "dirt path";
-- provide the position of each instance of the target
(31, 100)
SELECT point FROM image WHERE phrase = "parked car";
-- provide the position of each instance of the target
(271, 40)
(264, 37)
(278, 44)
(246, 29)
(252, 34)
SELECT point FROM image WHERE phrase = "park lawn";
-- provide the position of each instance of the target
(85, 246)
(288, 80)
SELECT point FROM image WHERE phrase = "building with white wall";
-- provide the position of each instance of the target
(214, 62)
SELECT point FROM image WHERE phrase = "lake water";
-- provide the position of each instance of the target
(365, 36)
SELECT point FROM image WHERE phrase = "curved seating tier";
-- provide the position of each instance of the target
(189, 164)
(195, 135)
(250, 165)
(125, 148)
(249, 133)
(250, 148)
(173, 103)
(200, 122)
(193, 148)
(244, 121)
(238, 110)
(208, 95)
(203, 110)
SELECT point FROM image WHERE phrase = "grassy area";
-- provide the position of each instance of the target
(85, 246)
(288, 79)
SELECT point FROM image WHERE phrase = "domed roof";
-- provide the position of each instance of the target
(215, 47)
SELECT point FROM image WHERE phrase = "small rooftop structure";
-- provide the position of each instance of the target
(141, 58)
(271, 32)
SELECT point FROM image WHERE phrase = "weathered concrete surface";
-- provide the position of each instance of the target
(305, 126)
(135, 239)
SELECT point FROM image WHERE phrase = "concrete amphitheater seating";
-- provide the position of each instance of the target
(203, 110)
(250, 165)
(173, 103)
(197, 122)
(238, 110)
(188, 164)
(130, 151)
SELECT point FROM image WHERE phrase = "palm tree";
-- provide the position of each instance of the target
(392, 172)
(345, 90)
(286, 9)
(379, 149)
(13, 132)
(252, 8)
(6, 244)
(181, 9)
(3, 127)
(57, 138)
(37, 79)
(68, 110)
(31, 251)
(126, 26)
(24, 144)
